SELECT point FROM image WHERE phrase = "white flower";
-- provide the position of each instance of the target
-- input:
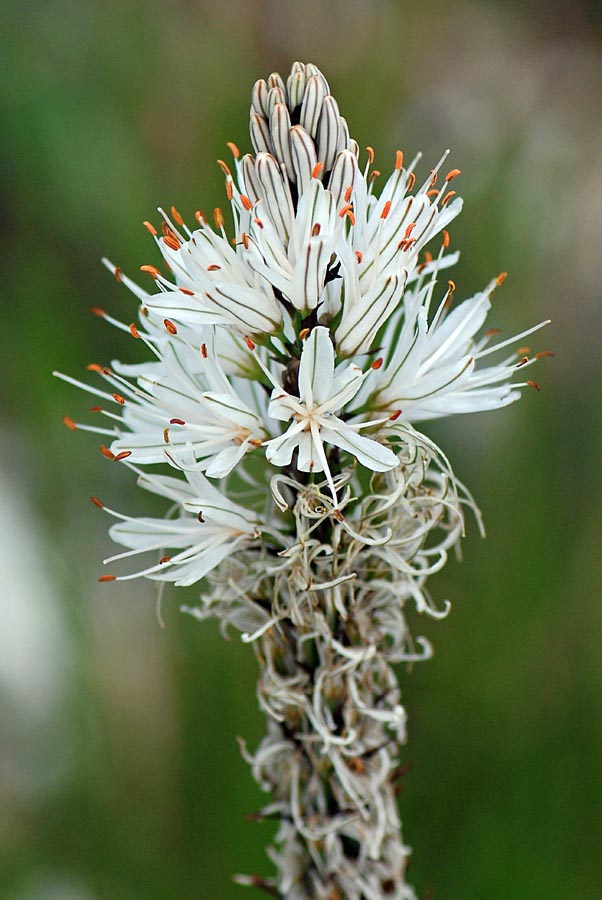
(323, 391)
(206, 529)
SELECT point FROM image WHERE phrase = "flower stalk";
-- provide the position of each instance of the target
(288, 364)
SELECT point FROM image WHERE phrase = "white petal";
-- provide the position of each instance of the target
(316, 369)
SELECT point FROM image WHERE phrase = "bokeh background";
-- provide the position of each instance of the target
(120, 777)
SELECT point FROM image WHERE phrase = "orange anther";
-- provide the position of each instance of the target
(249, 342)
(428, 257)
(177, 422)
(317, 169)
(258, 222)
(501, 278)
(534, 385)
(106, 452)
(95, 409)
(166, 435)
(374, 174)
(117, 273)
(94, 367)
(386, 210)
(523, 350)
(345, 209)
(316, 229)
(97, 311)
(304, 333)
(200, 516)
(200, 217)
(348, 192)
(233, 149)
(204, 351)
(245, 240)
(213, 267)
(522, 362)
(409, 230)
(543, 354)
(246, 202)
(445, 238)
(97, 502)
(411, 180)
(433, 193)
(452, 285)
(433, 180)
(176, 215)
(118, 399)
(69, 423)
(395, 415)
(229, 190)
(169, 326)
(107, 578)
(452, 174)
(359, 255)
(218, 217)
(186, 291)
(152, 271)
(338, 515)
(164, 559)
(370, 152)
(448, 197)
(151, 228)
(133, 330)
(377, 363)
(123, 455)
(399, 159)
(171, 241)
(223, 166)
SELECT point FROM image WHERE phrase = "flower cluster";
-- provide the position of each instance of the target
(291, 351)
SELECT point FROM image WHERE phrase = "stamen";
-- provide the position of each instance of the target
(123, 455)
(233, 149)
(186, 291)
(534, 385)
(246, 202)
(370, 152)
(249, 342)
(399, 159)
(117, 273)
(316, 229)
(411, 180)
(395, 415)
(223, 166)
(359, 255)
(107, 578)
(166, 435)
(176, 215)
(543, 354)
(377, 363)
(169, 326)
(386, 210)
(304, 333)
(204, 351)
(200, 217)
(69, 423)
(95, 409)
(133, 330)
(118, 399)
(97, 502)
(94, 367)
(213, 267)
(200, 517)
(445, 238)
(152, 271)
(106, 452)
(97, 311)
(164, 559)
(229, 190)
(452, 174)
(177, 422)
(172, 242)
(522, 362)
(317, 169)
(448, 197)
(151, 228)
(501, 278)
(348, 193)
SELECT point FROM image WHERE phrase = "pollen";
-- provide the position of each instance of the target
(316, 229)
(117, 273)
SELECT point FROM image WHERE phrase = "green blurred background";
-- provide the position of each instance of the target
(120, 777)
